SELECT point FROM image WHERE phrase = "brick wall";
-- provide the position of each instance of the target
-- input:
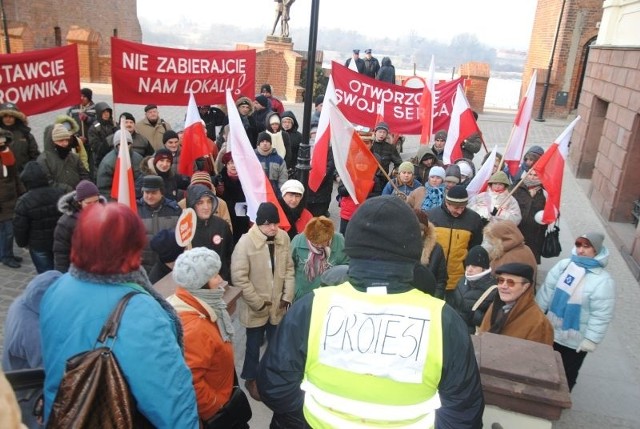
(476, 88)
(42, 16)
(579, 26)
(609, 140)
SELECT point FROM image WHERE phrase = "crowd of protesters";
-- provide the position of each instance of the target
(425, 241)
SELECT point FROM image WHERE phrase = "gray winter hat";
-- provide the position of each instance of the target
(596, 239)
(194, 268)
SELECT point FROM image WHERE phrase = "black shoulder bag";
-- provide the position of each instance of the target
(551, 244)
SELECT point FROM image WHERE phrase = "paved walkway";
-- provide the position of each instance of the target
(607, 393)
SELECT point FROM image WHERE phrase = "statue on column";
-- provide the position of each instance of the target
(282, 15)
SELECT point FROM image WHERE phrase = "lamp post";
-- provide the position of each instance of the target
(304, 153)
(545, 89)
(5, 29)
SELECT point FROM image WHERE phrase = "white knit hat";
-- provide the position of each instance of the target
(194, 268)
(437, 171)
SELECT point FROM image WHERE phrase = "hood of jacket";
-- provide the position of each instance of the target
(66, 119)
(507, 233)
(428, 242)
(290, 114)
(68, 205)
(37, 287)
(469, 163)
(195, 192)
(424, 152)
(12, 110)
(33, 176)
(101, 107)
(245, 99)
(268, 117)
(386, 61)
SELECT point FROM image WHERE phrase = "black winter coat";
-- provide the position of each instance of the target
(36, 213)
(232, 195)
(465, 296)
(532, 231)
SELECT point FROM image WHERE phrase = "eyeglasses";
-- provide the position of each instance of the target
(580, 244)
(510, 282)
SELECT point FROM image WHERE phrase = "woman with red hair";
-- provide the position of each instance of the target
(106, 254)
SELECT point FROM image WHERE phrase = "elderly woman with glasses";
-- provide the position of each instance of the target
(514, 311)
(578, 296)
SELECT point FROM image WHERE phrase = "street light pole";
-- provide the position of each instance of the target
(4, 27)
(304, 153)
(545, 90)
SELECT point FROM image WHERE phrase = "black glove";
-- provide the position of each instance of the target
(494, 211)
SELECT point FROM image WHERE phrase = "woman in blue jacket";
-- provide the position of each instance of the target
(105, 265)
(578, 296)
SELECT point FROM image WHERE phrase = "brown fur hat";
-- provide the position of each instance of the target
(319, 230)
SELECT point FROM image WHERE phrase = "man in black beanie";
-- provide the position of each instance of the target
(458, 229)
(374, 340)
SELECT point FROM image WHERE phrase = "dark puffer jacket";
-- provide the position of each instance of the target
(465, 296)
(36, 212)
(70, 209)
(295, 139)
(165, 216)
(23, 144)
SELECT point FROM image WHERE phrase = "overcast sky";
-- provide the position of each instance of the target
(498, 23)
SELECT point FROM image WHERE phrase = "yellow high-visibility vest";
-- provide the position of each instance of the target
(373, 360)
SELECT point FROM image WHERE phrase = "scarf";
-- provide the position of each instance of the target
(138, 278)
(433, 197)
(62, 152)
(585, 262)
(474, 277)
(213, 299)
(565, 308)
(292, 214)
(317, 261)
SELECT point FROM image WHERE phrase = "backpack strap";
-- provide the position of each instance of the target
(110, 327)
(483, 297)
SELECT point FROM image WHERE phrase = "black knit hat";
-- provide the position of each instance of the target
(384, 228)
(457, 195)
(169, 134)
(267, 213)
(264, 136)
(128, 116)
(149, 107)
(477, 257)
(87, 92)
(262, 100)
(517, 269)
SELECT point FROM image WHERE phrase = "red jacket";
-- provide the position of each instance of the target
(207, 355)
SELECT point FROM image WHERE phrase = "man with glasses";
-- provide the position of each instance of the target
(514, 311)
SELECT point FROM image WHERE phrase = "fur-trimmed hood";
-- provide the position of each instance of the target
(68, 205)
(245, 99)
(11, 109)
(428, 242)
(504, 236)
(62, 119)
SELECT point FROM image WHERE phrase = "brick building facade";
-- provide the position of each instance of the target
(606, 142)
(578, 29)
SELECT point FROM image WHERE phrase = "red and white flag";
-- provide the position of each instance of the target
(320, 150)
(255, 184)
(425, 111)
(355, 163)
(194, 139)
(379, 114)
(479, 182)
(515, 146)
(550, 169)
(462, 125)
(122, 186)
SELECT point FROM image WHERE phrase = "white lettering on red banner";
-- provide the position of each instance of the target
(41, 81)
(169, 75)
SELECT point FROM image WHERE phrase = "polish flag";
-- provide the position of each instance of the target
(122, 188)
(515, 146)
(354, 161)
(320, 149)
(461, 126)
(255, 184)
(379, 114)
(425, 111)
(550, 169)
(353, 66)
(194, 139)
(479, 182)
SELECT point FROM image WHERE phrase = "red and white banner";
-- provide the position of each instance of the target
(360, 95)
(550, 169)
(320, 151)
(122, 187)
(461, 126)
(255, 184)
(355, 163)
(515, 146)
(194, 140)
(142, 74)
(41, 81)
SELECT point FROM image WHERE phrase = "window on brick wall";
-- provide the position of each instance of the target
(58, 36)
(115, 32)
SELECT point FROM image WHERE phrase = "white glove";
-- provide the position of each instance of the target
(586, 346)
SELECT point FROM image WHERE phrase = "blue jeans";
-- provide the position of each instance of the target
(6, 239)
(255, 337)
(42, 260)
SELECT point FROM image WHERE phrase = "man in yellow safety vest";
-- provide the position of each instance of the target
(373, 351)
